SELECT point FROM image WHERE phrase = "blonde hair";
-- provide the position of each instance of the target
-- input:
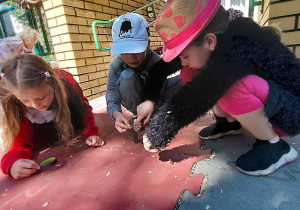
(24, 72)
(30, 36)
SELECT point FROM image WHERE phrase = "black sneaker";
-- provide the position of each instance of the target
(221, 128)
(265, 158)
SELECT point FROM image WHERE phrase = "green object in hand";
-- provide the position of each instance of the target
(48, 162)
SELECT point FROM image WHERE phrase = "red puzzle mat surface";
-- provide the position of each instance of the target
(119, 175)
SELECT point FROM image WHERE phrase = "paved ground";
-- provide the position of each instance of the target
(221, 185)
(226, 188)
(118, 175)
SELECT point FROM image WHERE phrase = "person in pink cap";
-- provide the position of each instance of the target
(243, 73)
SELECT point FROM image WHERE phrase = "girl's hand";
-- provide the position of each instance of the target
(144, 111)
(23, 168)
(147, 145)
(121, 124)
(95, 141)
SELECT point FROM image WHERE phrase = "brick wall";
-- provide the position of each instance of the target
(70, 24)
(286, 15)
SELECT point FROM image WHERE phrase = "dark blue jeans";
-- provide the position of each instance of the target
(132, 89)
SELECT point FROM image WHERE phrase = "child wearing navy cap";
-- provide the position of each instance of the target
(130, 70)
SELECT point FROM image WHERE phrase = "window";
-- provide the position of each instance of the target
(13, 18)
(242, 5)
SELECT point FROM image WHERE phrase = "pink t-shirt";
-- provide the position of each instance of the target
(247, 95)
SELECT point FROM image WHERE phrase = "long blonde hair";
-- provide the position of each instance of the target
(26, 72)
(30, 36)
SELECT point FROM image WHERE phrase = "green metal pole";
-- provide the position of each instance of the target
(95, 23)
(251, 8)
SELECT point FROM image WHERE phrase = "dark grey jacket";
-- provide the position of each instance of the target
(116, 66)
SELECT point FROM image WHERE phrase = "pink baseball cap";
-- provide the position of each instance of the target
(180, 22)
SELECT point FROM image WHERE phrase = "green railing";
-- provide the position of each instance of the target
(254, 3)
(34, 14)
(95, 23)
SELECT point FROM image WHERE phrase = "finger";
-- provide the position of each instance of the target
(123, 126)
(146, 121)
(21, 176)
(30, 164)
(121, 130)
(93, 142)
(102, 143)
(25, 172)
(148, 145)
(153, 150)
(88, 142)
(139, 120)
(149, 148)
(97, 142)
(28, 171)
(125, 122)
(138, 126)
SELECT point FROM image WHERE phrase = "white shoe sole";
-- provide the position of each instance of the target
(286, 158)
(219, 135)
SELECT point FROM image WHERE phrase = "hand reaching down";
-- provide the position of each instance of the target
(23, 168)
(122, 124)
(144, 113)
(147, 145)
(95, 141)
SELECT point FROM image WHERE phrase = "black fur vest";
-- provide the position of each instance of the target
(245, 48)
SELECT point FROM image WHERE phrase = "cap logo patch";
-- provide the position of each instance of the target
(126, 28)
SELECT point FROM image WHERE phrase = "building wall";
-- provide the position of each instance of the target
(70, 24)
(284, 14)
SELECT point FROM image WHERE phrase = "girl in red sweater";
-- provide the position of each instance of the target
(41, 106)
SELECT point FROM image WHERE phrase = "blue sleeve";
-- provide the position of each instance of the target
(113, 97)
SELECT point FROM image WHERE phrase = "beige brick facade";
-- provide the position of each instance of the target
(286, 16)
(70, 24)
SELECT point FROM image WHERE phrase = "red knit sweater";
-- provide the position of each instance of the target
(31, 134)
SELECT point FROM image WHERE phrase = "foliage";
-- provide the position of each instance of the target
(20, 12)
(37, 21)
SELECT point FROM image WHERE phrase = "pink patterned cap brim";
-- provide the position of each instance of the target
(176, 39)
